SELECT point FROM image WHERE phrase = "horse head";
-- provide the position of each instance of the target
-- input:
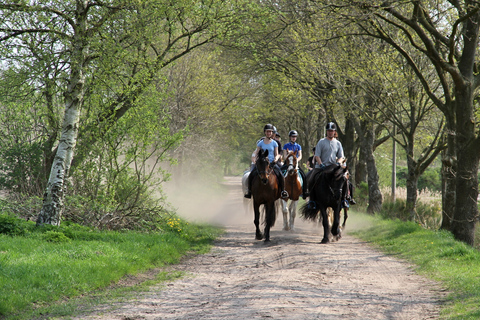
(291, 163)
(263, 167)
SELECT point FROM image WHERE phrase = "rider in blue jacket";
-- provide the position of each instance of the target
(293, 146)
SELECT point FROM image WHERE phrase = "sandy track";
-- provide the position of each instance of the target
(292, 277)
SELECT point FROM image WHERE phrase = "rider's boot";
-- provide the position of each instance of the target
(350, 194)
(281, 185)
(248, 195)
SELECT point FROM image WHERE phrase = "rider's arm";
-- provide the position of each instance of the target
(254, 155)
(277, 156)
(299, 155)
(318, 160)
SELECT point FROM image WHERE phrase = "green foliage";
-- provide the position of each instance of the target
(54, 236)
(430, 179)
(11, 225)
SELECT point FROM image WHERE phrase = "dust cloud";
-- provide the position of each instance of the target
(212, 203)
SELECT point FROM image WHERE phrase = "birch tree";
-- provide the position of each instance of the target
(79, 28)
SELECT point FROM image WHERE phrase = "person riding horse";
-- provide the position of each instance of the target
(329, 151)
(271, 145)
(297, 149)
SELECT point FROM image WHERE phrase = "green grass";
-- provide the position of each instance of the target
(437, 255)
(40, 267)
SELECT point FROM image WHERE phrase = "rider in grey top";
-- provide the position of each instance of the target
(328, 150)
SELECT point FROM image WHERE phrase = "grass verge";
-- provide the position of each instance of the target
(437, 255)
(42, 269)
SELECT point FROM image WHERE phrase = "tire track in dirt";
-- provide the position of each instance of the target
(292, 277)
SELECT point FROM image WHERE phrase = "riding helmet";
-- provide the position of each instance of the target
(331, 126)
(293, 133)
(268, 127)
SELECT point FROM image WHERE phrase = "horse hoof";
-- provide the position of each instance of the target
(325, 240)
(258, 236)
(267, 240)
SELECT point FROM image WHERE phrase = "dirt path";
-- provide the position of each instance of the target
(293, 277)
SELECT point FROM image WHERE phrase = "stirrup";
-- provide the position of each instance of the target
(312, 205)
(345, 204)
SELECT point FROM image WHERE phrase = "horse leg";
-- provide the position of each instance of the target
(336, 230)
(326, 225)
(293, 214)
(269, 219)
(256, 221)
(345, 216)
(285, 215)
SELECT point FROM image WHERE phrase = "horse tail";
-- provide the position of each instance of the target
(309, 211)
(270, 214)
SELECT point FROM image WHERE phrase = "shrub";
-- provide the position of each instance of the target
(55, 236)
(13, 226)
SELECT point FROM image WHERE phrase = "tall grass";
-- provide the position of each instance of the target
(428, 207)
(39, 266)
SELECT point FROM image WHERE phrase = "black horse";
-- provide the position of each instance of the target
(327, 189)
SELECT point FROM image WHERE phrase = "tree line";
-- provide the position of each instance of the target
(98, 96)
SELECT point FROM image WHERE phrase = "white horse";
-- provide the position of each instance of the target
(247, 203)
(293, 185)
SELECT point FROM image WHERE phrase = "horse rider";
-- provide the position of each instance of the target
(329, 151)
(278, 138)
(271, 145)
(311, 161)
(293, 146)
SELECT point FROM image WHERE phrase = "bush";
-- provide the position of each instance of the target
(430, 179)
(13, 226)
(55, 236)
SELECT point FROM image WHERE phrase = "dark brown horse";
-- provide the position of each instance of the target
(327, 189)
(294, 188)
(264, 192)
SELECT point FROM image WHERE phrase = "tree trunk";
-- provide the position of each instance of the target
(375, 198)
(53, 197)
(448, 181)
(466, 210)
(412, 182)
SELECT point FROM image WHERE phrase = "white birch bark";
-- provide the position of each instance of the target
(53, 198)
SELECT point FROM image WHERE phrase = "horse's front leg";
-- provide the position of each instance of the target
(256, 221)
(285, 215)
(293, 214)
(326, 225)
(269, 219)
(345, 216)
(336, 230)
